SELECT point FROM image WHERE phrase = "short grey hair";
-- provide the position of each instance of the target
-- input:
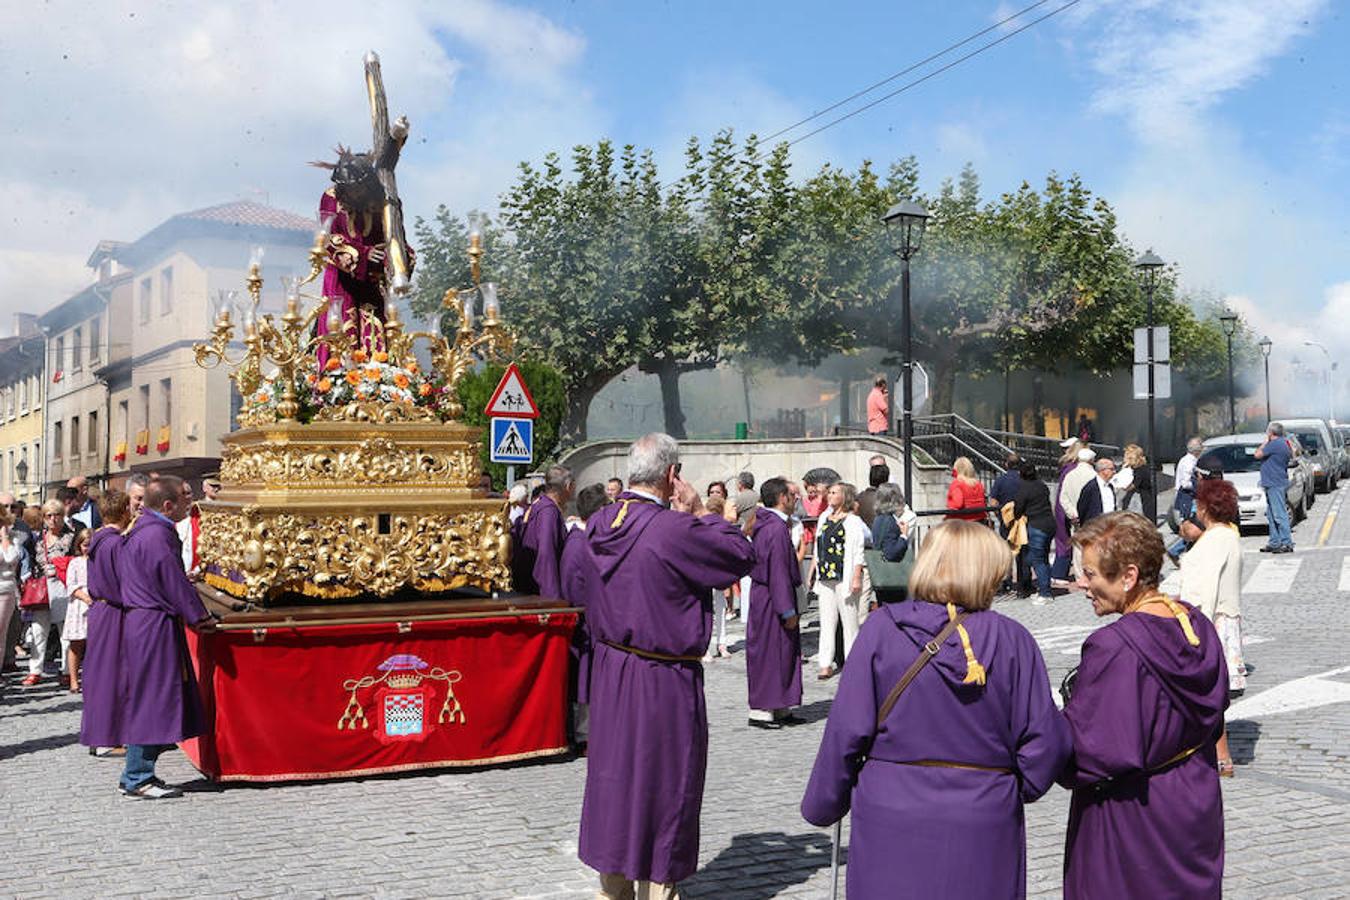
(650, 456)
(746, 481)
(1195, 445)
(140, 479)
(1276, 429)
(1104, 462)
(519, 491)
(557, 478)
(890, 499)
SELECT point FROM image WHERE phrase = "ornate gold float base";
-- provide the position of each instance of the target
(337, 510)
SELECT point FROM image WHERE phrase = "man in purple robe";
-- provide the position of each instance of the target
(773, 649)
(579, 582)
(101, 715)
(650, 620)
(534, 560)
(162, 705)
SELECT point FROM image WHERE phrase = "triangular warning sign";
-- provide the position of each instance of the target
(512, 443)
(512, 399)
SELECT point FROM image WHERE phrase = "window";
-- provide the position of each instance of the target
(59, 360)
(166, 292)
(23, 396)
(166, 397)
(124, 418)
(74, 437)
(13, 474)
(36, 392)
(76, 351)
(58, 433)
(93, 433)
(145, 406)
(146, 285)
(95, 339)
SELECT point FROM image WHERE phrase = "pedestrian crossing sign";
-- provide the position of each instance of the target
(512, 441)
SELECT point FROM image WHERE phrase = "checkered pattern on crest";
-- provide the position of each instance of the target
(403, 714)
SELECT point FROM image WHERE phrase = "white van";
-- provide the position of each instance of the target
(1319, 447)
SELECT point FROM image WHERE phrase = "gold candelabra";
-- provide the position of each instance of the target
(293, 344)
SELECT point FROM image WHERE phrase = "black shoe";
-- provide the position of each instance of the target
(766, 725)
(1287, 548)
(1269, 549)
(791, 719)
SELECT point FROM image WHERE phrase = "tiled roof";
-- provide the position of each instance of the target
(249, 213)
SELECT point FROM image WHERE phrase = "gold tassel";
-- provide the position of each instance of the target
(623, 512)
(1180, 612)
(450, 713)
(975, 673)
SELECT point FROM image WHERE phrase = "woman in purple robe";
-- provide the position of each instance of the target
(975, 736)
(100, 720)
(1146, 705)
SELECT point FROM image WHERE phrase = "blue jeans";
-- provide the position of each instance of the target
(140, 766)
(1038, 557)
(1277, 515)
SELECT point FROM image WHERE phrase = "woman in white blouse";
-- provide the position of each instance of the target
(840, 539)
(1211, 581)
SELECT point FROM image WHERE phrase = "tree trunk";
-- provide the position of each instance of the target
(572, 431)
(745, 388)
(668, 371)
(942, 388)
(1038, 404)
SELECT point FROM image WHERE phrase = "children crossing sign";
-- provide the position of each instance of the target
(512, 441)
(512, 398)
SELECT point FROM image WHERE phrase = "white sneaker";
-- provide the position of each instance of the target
(1038, 601)
(152, 790)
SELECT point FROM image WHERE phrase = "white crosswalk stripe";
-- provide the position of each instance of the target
(1344, 584)
(1273, 576)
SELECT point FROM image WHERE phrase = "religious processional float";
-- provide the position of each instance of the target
(357, 565)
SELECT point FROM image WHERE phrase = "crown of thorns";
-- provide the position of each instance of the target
(350, 168)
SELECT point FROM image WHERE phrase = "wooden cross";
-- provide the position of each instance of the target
(387, 144)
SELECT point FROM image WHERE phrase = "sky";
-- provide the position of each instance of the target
(1218, 129)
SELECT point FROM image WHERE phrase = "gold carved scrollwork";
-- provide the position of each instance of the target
(376, 460)
(345, 556)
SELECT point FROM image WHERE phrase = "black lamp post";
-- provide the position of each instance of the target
(1265, 345)
(1229, 321)
(906, 221)
(1149, 266)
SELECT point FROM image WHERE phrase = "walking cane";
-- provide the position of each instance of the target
(835, 840)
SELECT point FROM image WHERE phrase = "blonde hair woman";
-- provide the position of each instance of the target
(966, 492)
(1133, 480)
(948, 764)
(841, 538)
(53, 544)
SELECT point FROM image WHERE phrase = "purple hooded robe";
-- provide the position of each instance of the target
(101, 717)
(1143, 697)
(773, 653)
(937, 831)
(649, 726)
(535, 560)
(352, 236)
(162, 703)
(579, 583)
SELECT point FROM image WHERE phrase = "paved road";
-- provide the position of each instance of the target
(511, 832)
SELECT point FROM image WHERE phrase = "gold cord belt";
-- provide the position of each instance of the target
(651, 654)
(1176, 759)
(948, 764)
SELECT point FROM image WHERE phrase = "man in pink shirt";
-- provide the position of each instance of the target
(878, 407)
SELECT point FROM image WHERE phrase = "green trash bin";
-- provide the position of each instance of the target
(742, 431)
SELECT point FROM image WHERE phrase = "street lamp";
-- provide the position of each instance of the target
(1229, 321)
(1265, 345)
(21, 472)
(1149, 266)
(1331, 413)
(905, 221)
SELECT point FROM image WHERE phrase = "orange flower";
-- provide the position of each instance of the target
(372, 374)
(260, 397)
(412, 366)
(325, 385)
(333, 364)
(401, 380)
(359, 356)
(311, 378)
(424, 390)
(353, 376)
(381, 356)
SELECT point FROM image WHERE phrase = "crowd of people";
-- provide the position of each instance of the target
(943, 725)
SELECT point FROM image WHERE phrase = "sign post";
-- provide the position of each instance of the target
(512, 412)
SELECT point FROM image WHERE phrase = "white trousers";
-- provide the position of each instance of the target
(37, 639)
(837, 603)
(719, 629)
(745, 603)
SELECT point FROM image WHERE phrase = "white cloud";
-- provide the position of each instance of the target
(120, 115)
(1162, 63)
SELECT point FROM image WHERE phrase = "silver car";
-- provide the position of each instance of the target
(1237, 453)
(1320, 449)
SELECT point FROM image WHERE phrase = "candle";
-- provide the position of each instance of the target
(490, 307)
(468, 310)
(334, 316)
(255, 258)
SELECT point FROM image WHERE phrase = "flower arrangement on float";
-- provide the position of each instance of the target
(358, 377)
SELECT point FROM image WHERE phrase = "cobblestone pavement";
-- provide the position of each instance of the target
(511, 832)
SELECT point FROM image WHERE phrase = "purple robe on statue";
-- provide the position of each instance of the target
(101, 717)
(1143, 697)
(534, 561)
(162, 703)
(773, 653)
(579, 582)
(351, 238)
(649, 725)
(928, 830)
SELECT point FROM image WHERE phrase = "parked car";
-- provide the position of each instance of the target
(1320, 448)
(1237, 452)
(1343, 432)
